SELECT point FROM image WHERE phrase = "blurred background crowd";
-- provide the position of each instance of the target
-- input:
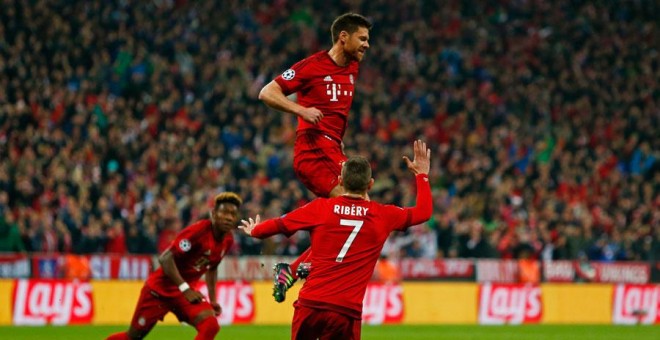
(119, 120)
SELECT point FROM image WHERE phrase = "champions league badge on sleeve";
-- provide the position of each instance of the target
(288, 74)
(184, 245)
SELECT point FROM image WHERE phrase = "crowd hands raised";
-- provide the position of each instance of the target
(118, 122)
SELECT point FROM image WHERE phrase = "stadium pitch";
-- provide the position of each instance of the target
(536, 332)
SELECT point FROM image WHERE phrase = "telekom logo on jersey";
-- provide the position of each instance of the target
(334, 91)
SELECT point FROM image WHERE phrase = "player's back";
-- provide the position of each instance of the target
(346, 243)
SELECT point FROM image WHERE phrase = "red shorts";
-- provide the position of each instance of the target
(151, 308)
(317, 161)
(323, 324)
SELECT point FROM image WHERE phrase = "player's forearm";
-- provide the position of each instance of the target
(424, 203)
(266, 229)
(273, 96)
(211, 280)
(169, 268)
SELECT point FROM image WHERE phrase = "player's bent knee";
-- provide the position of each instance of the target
(203, 315)
(207, 328)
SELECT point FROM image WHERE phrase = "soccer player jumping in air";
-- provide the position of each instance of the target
(348, 233)
(325, 86)
(196, 250)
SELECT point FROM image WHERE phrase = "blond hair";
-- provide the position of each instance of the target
(227, 197)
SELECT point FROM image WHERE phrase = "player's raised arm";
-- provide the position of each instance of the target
(166, 260)
(421, 163)
(261, 230)
(273, 96)
(420, 166)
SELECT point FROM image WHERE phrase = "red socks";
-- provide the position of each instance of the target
(207, 329)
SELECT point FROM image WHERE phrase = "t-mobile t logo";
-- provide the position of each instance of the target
(334, 90)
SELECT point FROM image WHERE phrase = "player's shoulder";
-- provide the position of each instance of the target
(197, 228)
(317, 60)
(320, 56)
(381, 207)
(201, 224)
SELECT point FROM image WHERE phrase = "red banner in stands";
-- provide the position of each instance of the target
(14, 265)
(57, 302)
(622, 272)
(123, 267)
(259, 268)
(636, 304)
(509, 304)
(616, 272)
(559, 271)
(99, 267)
(436, 268)
(505, 271)
(251, 268)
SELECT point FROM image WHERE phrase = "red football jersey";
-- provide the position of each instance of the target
(347, 236)
(322, 84)
(195, 250)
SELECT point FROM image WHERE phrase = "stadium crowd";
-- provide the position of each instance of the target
(120, 120)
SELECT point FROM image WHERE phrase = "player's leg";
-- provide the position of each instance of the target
(148, 311)
(311, 323)
(335, 326)
(303, 325)
(131, 334)
(317, 163)
(206, 324)
(356, 332)
(286, 275)
(200, 315)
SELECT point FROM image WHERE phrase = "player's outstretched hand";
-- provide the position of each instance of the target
(421, 163)
(249, 225)
(311, 115)
(193, 296)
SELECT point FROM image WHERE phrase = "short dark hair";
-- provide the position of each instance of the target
(356, 174)
(349, 22)
(228, 197)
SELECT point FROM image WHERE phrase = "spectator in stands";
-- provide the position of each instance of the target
(536, 113)
(10, 239)
(386, 271)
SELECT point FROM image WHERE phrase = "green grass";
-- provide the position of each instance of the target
(535, 332)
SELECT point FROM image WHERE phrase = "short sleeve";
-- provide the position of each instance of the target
(304, 218)
(186, 240)
(295, 78)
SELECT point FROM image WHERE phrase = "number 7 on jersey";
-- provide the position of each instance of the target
(356, 224)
